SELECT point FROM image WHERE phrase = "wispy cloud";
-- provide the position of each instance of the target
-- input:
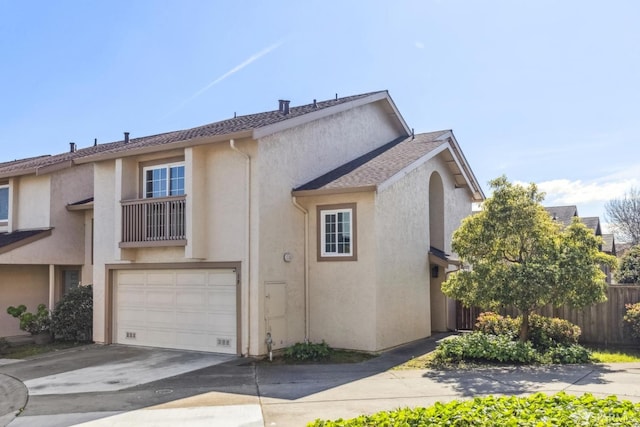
(229, 73)
(564, 191)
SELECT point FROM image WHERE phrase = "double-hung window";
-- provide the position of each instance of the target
(4, 204)
(165, 219)
(164, 180)
(337, 232)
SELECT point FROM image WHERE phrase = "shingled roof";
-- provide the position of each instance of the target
(563, 214)
(44, 164)
(369, 171)
(13, 240)
(240, 126)
(593, 223)
(609, 244)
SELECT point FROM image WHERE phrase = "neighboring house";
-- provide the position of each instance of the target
(329, 221)
(44, 248)
(565, 214)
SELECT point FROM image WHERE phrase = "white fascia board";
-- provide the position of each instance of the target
(473, 183)
(325, 112)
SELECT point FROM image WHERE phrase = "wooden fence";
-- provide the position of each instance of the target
(601, 324)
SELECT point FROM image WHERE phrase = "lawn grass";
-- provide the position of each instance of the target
(24, 351)
(627, 355)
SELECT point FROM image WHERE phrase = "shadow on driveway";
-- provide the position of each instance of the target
(472, 382)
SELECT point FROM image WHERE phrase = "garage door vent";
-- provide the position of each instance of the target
(131, 335)
(224, 342)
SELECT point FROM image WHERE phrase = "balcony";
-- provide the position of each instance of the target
(153, 222)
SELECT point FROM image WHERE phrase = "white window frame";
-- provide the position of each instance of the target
(323, 212)
(167, 167)
(5, 221)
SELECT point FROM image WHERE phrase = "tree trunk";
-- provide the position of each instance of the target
(524, 327)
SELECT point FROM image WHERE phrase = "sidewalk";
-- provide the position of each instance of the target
(242, 394)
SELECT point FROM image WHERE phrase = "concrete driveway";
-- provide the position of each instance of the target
(94, 382)
(123, 386)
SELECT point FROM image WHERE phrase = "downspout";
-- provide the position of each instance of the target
(294, 200)
(232, 144)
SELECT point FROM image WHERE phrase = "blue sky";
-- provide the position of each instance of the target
(542, 91)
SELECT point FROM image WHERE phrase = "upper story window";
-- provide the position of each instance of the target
(164, 180)
(337, 229)
(4, 204)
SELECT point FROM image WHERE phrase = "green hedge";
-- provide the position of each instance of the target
(481, 347)
(484, 347)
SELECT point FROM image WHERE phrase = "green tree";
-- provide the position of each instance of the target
(629, 271)
(520, 256)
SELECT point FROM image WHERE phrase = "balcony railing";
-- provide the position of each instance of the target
(153, 222)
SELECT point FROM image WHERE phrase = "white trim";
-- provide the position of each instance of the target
(323, 214)
(167, 167)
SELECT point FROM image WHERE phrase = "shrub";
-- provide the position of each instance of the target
(629, 268)
(547, 332)
(484, 347)
(567, 354)
(308, 351)
(539, 409)
(72, 318)
(544, 332)
(632, 319)
(495, 324)
(34, 323)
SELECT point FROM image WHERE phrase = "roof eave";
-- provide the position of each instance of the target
(331, 191)
(82, 207)
(162, 147)
(470, 178)
(474, 188)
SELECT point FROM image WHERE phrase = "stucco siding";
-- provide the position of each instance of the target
(104, 245)
(342, 294)
(402, 241)
(28, 285)
(289, 159)
(33, 202)
(405, 306)
(42, 203)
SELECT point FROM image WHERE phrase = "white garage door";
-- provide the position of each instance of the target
(184, 309)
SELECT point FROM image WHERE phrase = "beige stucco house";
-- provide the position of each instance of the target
(328, 221)
(45, 245)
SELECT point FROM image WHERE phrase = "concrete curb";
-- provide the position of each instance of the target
(15, 398)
